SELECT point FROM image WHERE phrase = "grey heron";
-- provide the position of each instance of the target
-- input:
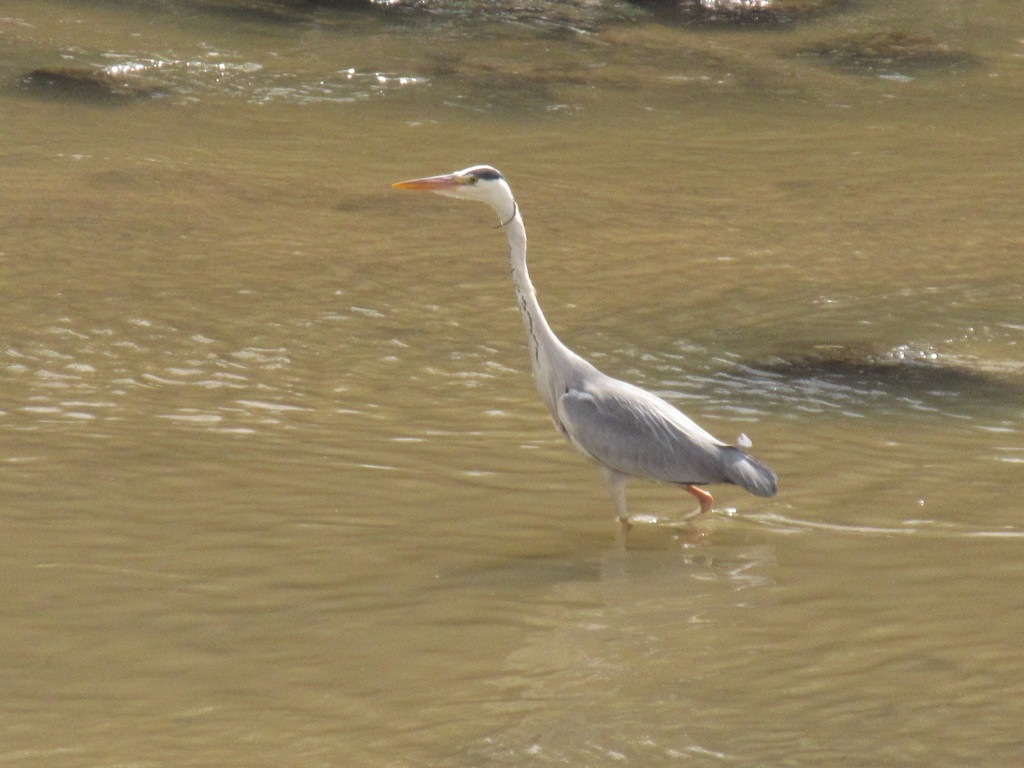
(627, 430)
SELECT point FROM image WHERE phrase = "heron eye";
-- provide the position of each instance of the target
(473, 179)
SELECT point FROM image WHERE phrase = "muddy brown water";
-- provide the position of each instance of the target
(277, 489)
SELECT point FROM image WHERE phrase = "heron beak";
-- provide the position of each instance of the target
(432, 183)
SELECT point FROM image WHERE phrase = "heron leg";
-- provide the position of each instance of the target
(617, 488)
(622, 534)
(707, 501)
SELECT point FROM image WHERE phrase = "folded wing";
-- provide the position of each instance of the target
(637, 433)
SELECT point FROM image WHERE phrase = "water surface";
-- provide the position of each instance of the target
(278, 489)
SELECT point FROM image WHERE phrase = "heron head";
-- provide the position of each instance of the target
(478, 182)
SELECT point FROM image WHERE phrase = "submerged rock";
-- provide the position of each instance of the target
(874, 52)
(739, 12)
(283, 11)
(549, 15)
(902, 369)
(85, 84)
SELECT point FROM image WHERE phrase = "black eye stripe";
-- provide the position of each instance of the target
(488, 174)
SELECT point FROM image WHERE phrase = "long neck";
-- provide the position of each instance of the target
(545, 348)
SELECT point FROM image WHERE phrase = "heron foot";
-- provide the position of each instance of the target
(626, 524)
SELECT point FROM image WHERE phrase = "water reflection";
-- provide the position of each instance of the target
(603, 639)
(661, 659)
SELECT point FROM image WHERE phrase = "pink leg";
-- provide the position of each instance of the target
(707, 501)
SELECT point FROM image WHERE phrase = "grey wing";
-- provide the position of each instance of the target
(634, 432)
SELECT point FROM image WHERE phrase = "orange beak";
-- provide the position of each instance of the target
(431, 183)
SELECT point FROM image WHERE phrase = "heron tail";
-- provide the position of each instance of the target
(749, 473)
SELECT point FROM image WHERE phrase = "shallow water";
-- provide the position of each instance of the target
(278, 489)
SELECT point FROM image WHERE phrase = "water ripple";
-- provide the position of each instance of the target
(228, 73)
(139, 367)
(941, 529)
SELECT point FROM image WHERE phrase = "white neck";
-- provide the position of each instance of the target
(545, 347)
